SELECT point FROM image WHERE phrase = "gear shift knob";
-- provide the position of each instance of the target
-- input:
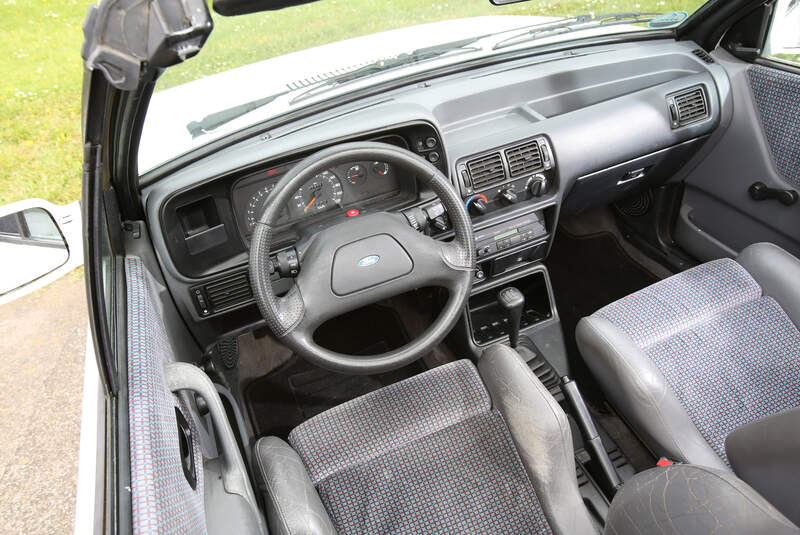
(512, 301)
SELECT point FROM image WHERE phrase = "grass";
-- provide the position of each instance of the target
(41, 69)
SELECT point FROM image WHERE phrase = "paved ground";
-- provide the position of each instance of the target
(42, 350)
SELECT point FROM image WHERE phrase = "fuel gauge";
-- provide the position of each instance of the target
(380, 168)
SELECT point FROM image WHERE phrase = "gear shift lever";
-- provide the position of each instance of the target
(512, 301)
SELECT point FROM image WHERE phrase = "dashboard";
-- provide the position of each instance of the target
(522, 143)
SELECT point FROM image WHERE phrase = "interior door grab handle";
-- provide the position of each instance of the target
(761, 192)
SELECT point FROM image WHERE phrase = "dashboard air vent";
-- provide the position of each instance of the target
(688, 107)
(702, 54)
(524, 159)
(486, 170)
(229, 291)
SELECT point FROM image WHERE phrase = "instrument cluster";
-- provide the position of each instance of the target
(344, 187)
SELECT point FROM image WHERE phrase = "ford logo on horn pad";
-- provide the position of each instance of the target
(369, 260)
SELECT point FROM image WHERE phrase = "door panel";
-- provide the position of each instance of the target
(777, 97)
(187, 474)
(163, 499)
(762, 143)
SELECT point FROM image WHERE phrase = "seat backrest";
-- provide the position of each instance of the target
(692, 500)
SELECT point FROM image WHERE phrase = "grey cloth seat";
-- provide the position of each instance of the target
(692, 358)
(453, 450)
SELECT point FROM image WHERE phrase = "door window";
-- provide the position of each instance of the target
(783, 42)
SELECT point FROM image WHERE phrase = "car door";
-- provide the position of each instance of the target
(746, 189)
(158, 453)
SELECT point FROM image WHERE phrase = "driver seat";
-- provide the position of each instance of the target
(457, 449)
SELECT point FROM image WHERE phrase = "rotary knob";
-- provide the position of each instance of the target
(478, 204)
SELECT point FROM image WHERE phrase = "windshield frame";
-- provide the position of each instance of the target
(336, 100)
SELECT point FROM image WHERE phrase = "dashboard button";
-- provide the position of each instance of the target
(352, 212)
(433, 157)
(430, 142)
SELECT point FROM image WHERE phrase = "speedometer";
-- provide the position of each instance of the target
(255, 207)
(321, 193)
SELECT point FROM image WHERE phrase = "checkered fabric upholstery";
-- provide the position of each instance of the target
(730, 355)
(777, 96)
(163, 502)
(426, 455)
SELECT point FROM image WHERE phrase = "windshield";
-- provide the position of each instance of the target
(259, 66)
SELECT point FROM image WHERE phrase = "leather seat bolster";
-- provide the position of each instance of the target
(541, 434)
(692, 500)
(777, 272)
(292, 503)
(637, 388)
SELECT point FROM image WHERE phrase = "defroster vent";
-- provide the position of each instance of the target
(688, 107)
(486, 170)
(229, 291)
(524, 159)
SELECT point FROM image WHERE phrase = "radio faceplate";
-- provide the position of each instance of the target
(507, 235)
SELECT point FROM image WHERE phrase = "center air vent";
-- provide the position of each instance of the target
(687, 107)
(486, 170)
(524, 159)
(229, 291)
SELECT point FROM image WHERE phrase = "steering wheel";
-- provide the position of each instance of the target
(361, 261)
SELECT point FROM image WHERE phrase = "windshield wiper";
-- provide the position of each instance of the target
(219, 118)
(572, 24)
(417, 56)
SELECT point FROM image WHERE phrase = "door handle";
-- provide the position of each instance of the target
(761, 192)
(186, 447)
(630, 176)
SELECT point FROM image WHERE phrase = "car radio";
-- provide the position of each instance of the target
(497, 238)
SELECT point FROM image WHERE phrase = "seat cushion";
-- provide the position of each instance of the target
(703, 347)
(426, 455)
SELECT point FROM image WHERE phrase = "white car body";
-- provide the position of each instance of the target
(27, 261)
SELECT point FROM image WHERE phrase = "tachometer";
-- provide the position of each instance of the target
(256, 206)
(321, 193)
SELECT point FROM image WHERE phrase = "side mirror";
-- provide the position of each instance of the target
(39, 242)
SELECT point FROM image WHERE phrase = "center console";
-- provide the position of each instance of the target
(511, 194)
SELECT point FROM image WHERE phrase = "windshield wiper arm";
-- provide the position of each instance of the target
(219, 118)
(417, 56)
(571, 24)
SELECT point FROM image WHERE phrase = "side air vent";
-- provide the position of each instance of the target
(230, 291)
(524, 159)
(486, 170)
(702, 54)
(687, 107)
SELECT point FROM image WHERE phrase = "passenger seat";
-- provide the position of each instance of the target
(692, 358)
